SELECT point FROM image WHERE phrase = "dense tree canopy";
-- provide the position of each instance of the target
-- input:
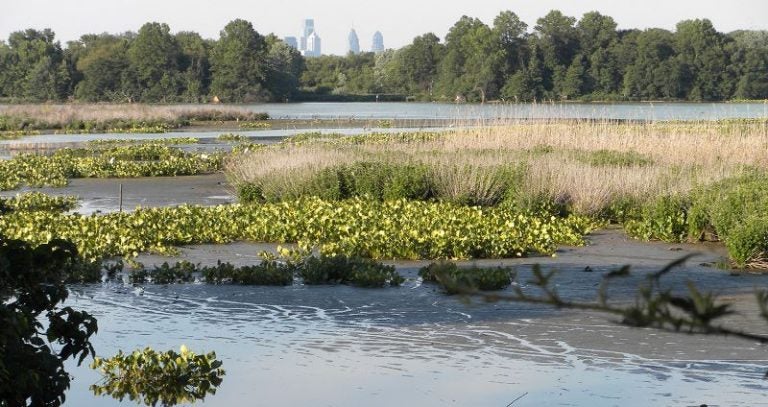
(560, 57)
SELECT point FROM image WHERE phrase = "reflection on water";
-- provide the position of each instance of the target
(344, 346)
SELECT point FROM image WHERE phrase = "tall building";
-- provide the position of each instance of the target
(291, 42)
(307, 28)
(378, 43)
(313, 45)
(309, 43)
(354, 42)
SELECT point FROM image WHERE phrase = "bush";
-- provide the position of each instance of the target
(664, 219)
(454, 279)
(747, 243)
(355, 271)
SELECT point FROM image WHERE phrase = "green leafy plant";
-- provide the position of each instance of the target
(152, 377)
(142, 160)
(398, 229)
(37, 334)
(36, 201)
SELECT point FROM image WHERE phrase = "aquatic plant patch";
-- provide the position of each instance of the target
(151, 377)
(36, 201)
(142, 160)
(398, 229)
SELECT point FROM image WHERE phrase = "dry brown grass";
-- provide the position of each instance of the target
(559, 159)
(65, 113)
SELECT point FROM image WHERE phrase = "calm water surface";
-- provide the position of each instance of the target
(412, 346)
(634, 111)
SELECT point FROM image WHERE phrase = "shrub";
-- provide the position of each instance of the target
(747, 243)
(355, 271)
(663, 219)
(454, 279)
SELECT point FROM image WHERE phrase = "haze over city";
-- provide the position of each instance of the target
(400, 21)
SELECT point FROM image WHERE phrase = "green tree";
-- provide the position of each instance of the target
(510, 32)
(702, 52)
(101, 61)
(32, 353)
(153, 57)
(558, 40)
(598, 39)
(526, 85)
(194, 66)
(238, 64)
(575, 80)
(750, 64)
(419, 62)
(473, 60)
(284, 68)
(34, 67)
(655, 56)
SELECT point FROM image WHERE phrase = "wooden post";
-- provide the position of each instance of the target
(121, 197)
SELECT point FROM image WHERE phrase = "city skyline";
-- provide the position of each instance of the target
(400, 21)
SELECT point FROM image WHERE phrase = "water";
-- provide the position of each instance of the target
(343, 346)
(628, 111)
(210, 137)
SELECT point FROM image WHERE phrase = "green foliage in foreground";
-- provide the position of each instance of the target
(152, 377)
(454, 279)
(144, 160)
(398, 229)
(37, 334)
(36, 201)
(732, 211)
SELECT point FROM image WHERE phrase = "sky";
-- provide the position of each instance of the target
(398, 20)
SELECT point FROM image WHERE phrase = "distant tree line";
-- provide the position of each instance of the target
(562, 58)
(152, 65)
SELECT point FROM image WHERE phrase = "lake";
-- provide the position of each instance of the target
(627, 111)
(413, 345)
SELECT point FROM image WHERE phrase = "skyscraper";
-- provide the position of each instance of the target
(378, 43)
(354, 42)
(307, 28)
(313, 45)
(309, 43)
(291, 42)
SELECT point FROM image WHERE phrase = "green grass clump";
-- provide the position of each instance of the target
(454, 279)
(232, 137)
(612, 158)
(255, 125)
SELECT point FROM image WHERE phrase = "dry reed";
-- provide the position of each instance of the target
(559, 159)
(66, 113)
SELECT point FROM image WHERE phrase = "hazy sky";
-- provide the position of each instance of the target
(398, 20)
